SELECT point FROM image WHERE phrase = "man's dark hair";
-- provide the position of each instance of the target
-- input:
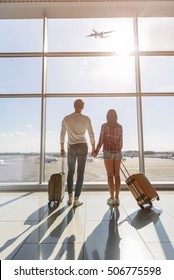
(78, 104)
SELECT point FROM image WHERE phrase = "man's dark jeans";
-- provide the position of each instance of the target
(76, 153)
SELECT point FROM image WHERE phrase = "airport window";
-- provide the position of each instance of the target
(20, 75)
(158, 126)
(105, 70)
(156, 34)
(96, 109)
(157, 74)
(20, 140)
(85, 35)
(91, 74)
(24, 35)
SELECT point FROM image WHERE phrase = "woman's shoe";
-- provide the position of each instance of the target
(111, 201)
(117, 201)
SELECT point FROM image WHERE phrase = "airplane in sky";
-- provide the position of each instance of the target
(99, 34)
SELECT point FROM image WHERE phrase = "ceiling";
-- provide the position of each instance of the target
(85, 8)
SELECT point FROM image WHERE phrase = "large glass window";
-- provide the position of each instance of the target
(21, 35)
(19, 140)
(20, 75)
(96, 109)
(91, 74)
(156, 34)
(86, 35)
(158, 116)
(157, 73)
(93, 59)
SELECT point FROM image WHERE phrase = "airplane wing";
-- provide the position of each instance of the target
(95, 32)
(106, 32)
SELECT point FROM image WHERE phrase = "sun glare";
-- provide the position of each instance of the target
(123, 39)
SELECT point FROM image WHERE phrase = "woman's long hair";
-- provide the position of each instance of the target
(111, 118)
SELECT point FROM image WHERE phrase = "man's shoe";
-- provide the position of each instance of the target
(70, 200)
(77, 202)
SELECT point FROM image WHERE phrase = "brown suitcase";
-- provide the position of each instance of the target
(56, 186)
(140, 187)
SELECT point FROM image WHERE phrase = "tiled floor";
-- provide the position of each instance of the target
(30, 230)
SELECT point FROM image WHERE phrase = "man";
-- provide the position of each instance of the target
(75, 125)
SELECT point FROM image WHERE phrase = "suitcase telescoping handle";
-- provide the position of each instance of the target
(62, 163)
(124, 170)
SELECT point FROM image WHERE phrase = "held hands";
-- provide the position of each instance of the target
(93, 153)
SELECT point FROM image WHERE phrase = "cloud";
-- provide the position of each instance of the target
(3, 134)
(18, 133)
(14, 134)
(50, 132)
(29, 126)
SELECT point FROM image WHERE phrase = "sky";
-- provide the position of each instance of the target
(20, 118)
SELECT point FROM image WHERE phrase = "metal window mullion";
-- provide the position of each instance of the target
(139, 100)
(43, 106)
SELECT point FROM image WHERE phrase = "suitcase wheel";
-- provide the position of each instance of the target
(150, 203)
(141, 206)
(54, 203)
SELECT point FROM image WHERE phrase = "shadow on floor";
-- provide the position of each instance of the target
(143, 218)
(103, 242)
(37, 228)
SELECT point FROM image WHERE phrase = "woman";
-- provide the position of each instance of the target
(111, 137)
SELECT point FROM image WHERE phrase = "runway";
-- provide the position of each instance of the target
(27, 169)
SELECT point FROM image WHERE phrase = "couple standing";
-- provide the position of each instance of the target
(111, 137)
